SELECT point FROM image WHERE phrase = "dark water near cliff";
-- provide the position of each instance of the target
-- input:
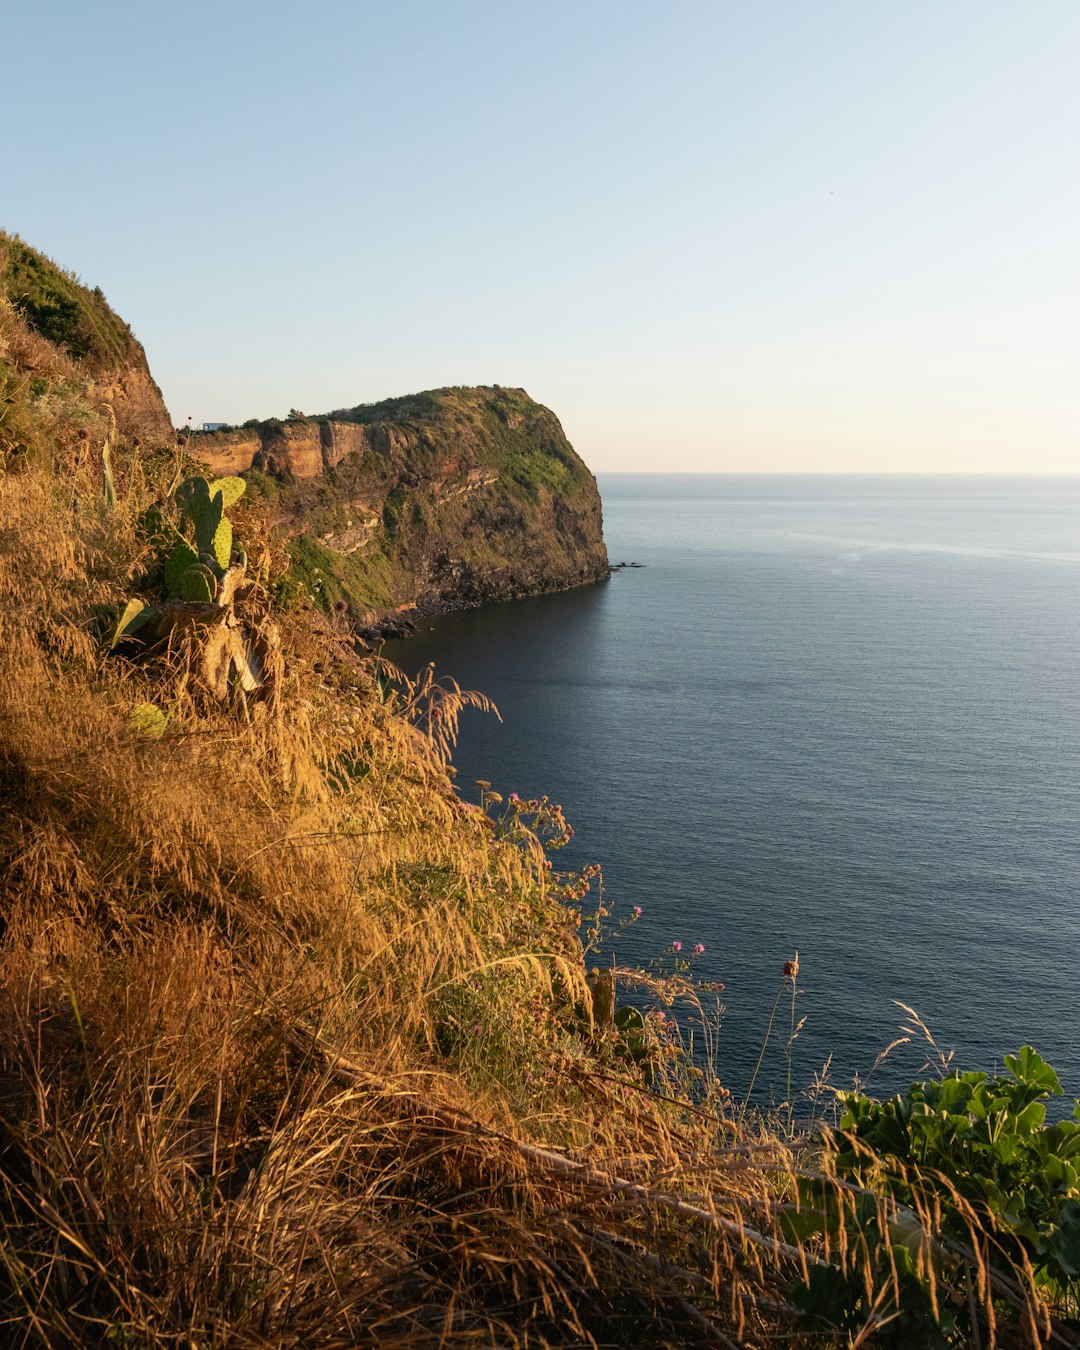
(834, 714)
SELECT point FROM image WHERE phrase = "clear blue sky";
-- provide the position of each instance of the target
(777, 234)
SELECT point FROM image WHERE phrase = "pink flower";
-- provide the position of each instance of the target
(514, 797)
(636, 911)
(699, 947)
(676, 946)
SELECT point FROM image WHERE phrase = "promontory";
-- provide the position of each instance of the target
(440, 500)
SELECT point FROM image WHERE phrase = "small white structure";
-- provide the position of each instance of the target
(213, 426)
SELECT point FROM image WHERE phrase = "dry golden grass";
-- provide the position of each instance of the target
(293, 1050)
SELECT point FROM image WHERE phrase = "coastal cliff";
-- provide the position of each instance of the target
(436, 501)
(413, 506)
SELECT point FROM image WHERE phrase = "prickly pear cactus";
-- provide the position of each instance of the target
(147, 719)
(221, 544)
(181, 557)
(207, 519)
(193, 495)
(230, 490)
(204, 504)
(603, 997)
(199, 584)
(152, 527)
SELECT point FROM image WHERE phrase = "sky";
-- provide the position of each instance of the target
(773, 235)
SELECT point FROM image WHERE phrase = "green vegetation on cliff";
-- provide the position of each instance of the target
(68, 363)
(434, 501)
(501, 428)
(63, 311)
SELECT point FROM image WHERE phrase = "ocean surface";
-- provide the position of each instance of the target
(838, 715)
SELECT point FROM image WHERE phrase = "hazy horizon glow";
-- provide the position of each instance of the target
(710, 236)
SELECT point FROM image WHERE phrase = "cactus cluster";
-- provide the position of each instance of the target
(192, 571)
(204, 583)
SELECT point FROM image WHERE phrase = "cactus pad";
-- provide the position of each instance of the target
(198, 584)
(193, 495)
(177, 563)
(230, 490)
(207, 519)
(221, 544)
(146, 719)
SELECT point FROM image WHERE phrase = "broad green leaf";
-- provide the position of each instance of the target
(135, 616)
(1063, 1240)
(1029, 1067)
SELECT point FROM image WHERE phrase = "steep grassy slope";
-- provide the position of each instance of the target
(295, 1048)
(439, 500)
(66, 359)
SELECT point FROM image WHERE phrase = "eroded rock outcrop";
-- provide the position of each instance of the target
(436, 501)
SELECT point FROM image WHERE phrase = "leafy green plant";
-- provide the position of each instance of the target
(969, 1158)
(988, 1138)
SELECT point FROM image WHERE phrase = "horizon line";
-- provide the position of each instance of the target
(843, 473)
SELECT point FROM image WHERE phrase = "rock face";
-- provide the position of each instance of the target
(437, 501)
(60, 334)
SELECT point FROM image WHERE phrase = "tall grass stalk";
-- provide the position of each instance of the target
(761, 1054)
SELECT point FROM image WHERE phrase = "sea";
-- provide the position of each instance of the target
(831, 715)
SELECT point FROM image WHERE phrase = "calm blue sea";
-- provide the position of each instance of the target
(833, 714)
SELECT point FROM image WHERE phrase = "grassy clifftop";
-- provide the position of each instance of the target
(62, 310)
(492, 425)
(67, 361)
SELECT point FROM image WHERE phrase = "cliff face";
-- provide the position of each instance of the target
(62, 349)
(437, 501)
